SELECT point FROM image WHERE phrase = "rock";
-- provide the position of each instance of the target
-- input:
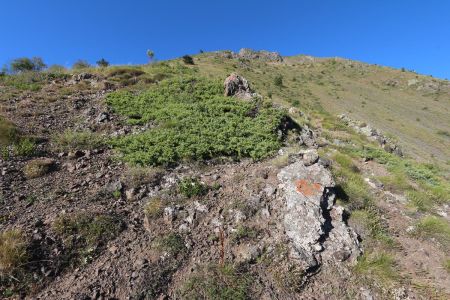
(307, 137)
(310, 157)
(114, 186)
(38, 167)
(325, 162)
(311, 221)
(246, 253)
(102, 117)
(170, 214)
(130, 194)
(75, 154)
(259, 55)
(236, 85)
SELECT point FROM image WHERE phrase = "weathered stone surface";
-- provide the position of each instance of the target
(311, 221)
(259, 55)
(236, 85)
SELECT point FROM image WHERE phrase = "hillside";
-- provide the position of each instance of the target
(177, 180)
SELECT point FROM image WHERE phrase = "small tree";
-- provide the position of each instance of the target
(81, 64)
(103, 63)
(278, 80)
(25, 64)
(150, 55)
(187, 59)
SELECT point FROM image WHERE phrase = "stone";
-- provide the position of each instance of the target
(310, 157)
(170, 214)
(102, 117)
(236, 85)
(312, 222)
(130, 194)
(246, 253)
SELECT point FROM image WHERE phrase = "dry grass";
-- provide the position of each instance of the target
(13, 252)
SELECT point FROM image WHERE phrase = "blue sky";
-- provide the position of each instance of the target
(399, 33)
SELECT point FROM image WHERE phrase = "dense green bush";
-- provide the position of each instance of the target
(81, 64)
(103, 63)
(195, 122)
(187, 59)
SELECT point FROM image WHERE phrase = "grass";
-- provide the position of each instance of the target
(172, 243)
(217, 282)
(8, 132)
(13, 251)
(243, 232)
(380, 266)
(435, 228)
(38, 167)
(192, 187)
(446, 265)
(71, 140)
(195, 122)
(154, 208)
(84, 235)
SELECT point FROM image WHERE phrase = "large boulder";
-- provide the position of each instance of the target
(312, 222)
(236, 85)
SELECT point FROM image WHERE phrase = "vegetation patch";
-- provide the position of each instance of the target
(435, 228)
(172, 243)
(13, 258)
(85, 234)
(380, 266)
(191, 187)
(78, 140)
(217, 282)
(8, 132)
(194, 122)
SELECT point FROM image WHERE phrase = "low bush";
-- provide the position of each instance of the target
(187, 59)
(154, 208)
(172, 243)
(196, 122)
(191, 187)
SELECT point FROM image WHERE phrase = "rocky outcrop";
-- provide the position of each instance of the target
(236, 85)
(373, 134)
(312, 222)
(259, 55)
(246, 53)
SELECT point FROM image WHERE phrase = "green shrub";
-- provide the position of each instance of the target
(25, 147)
(196, 122)
(103, 63)
(190, 187)
(81, 64)
(217, 282)
(25, 64)
(187, 59)
(154, 208)
(278, 81)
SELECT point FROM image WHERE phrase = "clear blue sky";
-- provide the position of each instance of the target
(400, 33)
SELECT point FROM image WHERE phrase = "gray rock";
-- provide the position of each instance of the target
(311, 221)
(236, 85)
(310, 157)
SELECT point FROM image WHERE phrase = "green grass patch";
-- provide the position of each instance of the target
(436, 228)
(217, 282)
(172, 243)
(191, 187)
(194, 122)
(8, 132)
(379, 266)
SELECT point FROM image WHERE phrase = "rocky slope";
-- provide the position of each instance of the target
(318, 219)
